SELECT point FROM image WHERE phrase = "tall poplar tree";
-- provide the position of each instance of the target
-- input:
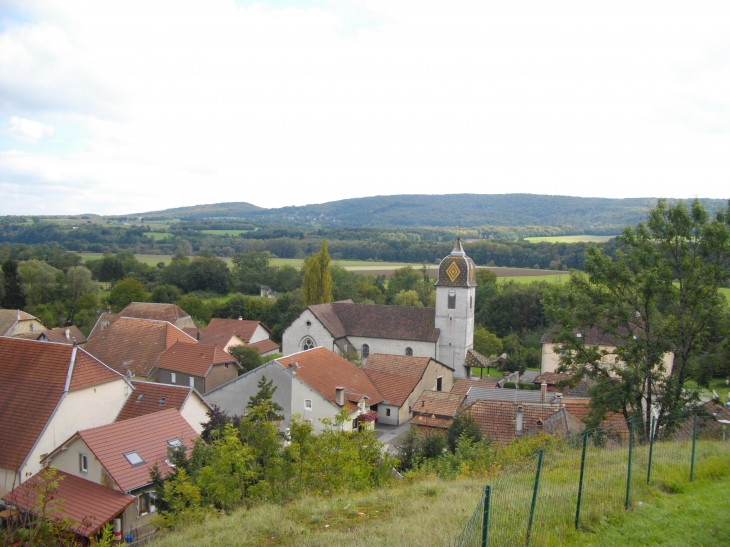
(317, 280)
(14, 297)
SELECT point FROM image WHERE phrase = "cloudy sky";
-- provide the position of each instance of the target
(121, 107)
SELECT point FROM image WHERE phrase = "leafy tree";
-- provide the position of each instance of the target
(317, 279)
(39, 280)
(216, 420)
(111, 269)
(14, 298)
(263, 399)
(125, 292)
(251, 270)
(207, 273)
(78, 283)
(659, 295)
(176, 273)
(287, 278)
(167, 294)
(407, 279)
(486, 343)
(407, 298)
(463, 426)
(198, 309)
(249, 358)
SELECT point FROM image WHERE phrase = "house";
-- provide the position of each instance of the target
(133, 346)
(552, 379)
(435, 410)
(146, 310)
(401, 379)
(487, 393)
(150, 397)
(593, 336)
(315, 384)
(61, 335)
(444, 333)
(225, 333)
(201, 366)
(121, 455)
(88, 505)
(15, 322)
(504, 421)
(47, 392)
(577, 402)
(267, 292)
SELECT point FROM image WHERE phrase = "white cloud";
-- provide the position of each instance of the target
(196, 102)
(28, 130)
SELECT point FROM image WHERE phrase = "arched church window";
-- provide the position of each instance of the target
(409, 352)
(452, 299)
(365, 350)
(308, 343)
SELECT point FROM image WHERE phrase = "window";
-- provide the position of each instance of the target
(354, 425)
(162, 401)
(471, 300)
(83, 463)
(192, 381)
(387, 412)
(134, 458)
(307, 404)
(439, 383)
(409, 352)
(143, 504)
(139, 397)
(174, 443)
(365, 350)
(173, 378)
(308, 343)
(452, 299)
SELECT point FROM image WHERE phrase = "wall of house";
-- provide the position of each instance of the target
(9, 479)
(195, 412)
(293, 337)
(259, 334)
(220, 374)
(68, 462)
(185, 323)
(394, 418)
(134, 523)
(80, 409)
(550, 360)
(234, 341)
(25, 326)
(394, 347)
(456, 325)
(233, 396)
(164, 376)
(427, 382)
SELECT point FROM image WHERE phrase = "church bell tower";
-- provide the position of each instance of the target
(455, 295)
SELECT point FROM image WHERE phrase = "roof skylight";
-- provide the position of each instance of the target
(134, 458)
(174, 443)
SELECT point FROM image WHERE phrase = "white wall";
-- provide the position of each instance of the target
(456, 325)
(321, 407)
(394, 347)
(195, 412)
(259, 334)
(292, 337)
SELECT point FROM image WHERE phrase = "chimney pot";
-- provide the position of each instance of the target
(340, 396)
(198, 335)
(543, 392)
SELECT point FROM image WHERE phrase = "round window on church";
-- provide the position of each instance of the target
(308, 343)
(409, 352)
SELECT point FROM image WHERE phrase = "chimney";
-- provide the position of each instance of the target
(67, 334)
(340, 396)
(543, 392)
(198, 335)
(108, 308)
(518, 420)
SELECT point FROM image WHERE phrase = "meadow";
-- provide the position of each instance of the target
(584, 238)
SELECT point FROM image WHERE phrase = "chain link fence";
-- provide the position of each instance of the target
(552, 494)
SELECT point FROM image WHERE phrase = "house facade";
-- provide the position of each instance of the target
(200, 366)
(15, 322)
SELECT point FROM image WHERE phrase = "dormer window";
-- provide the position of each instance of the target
(139, 397)
(162, 401)
(134, 459)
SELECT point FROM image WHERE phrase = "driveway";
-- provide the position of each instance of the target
(390, 434)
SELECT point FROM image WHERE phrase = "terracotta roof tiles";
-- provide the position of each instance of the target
(462, 385)
(396, 376)
(193, 359)
(497, 419)
(220, 331)
(150, 310)
(149, 397)
(438, 404)
(265, 346)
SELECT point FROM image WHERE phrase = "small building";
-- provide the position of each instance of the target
(15, 322)
(401, 380)
(435, 410)
(151, 397)
(146, 310)
(47, 392)
(121, 455)
(132, 346)
(61, 335)
(201, 366)
(225, 333)
(88, 505)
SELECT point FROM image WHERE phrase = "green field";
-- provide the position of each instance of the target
(158, 236)
(569, 239)
(225, 232)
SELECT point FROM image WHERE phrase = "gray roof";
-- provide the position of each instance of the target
(479, 393)
(582, 390)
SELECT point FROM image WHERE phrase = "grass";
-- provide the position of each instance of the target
(726, 292)
(158, 236)
(569, 239)
(553, 278)
(718, 384)
(234, 233)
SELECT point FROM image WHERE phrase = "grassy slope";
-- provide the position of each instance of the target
(569, 239)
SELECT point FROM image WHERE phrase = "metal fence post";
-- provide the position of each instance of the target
(485, 518)
(651, 449)
(534, 496)
(628, 474)
(580, 480)
(694, 442)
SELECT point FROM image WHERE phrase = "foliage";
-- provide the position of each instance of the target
(409, 287)
(125, 292)
(13, 297)
(198, 309)
(39, 280)
(407, 298)
(263, 404)
(207, 273)
(317, 278)
(486, 343)
(463, 426)
(249, 358)
(166, 294)
(251, 270)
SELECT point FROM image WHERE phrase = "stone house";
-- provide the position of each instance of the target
(200, 366)
(15, 322)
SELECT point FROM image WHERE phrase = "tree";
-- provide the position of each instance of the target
(248, 357)
(407, 279)
(263, 399)
(125, 292)
(317, 279)
(78, 283)
(14, 297)
(166, 294)
(486, 343)
(207, 273)
(407, 298)
(463, 426)
(39, 280)
(251, 270)
(111, 269)
(198, 309)
(659, 295)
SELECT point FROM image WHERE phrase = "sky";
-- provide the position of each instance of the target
(122, 107)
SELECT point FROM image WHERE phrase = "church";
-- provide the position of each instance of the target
(445, 333)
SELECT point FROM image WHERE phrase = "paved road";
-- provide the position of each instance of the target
(389, 434)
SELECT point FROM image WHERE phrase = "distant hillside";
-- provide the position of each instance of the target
(591, 215)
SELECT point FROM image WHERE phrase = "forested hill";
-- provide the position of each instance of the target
(588, 215)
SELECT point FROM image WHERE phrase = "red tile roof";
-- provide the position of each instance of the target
(220, 331)
(146, 435)
(323, 371)
(462, 385)
(33, 377)
(151, 310)
(194, 359)
(149, 397)
(497, 419)
(8, 318)
(376, 321)
(57, 335)
(438, 404)
(551, 378)
(265, 346)
(396, 376)
(134, 345)
(89, 505)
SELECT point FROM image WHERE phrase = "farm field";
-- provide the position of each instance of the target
(225, 232)
(570, 239)
(158, 236)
